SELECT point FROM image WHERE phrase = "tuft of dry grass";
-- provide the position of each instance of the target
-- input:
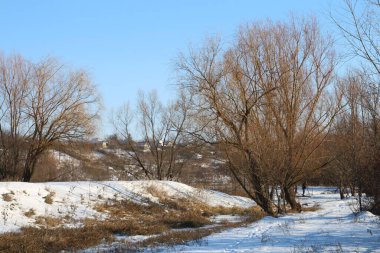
(49, 198)
(177, 237)
(7, 196)
(30, 213)
(49, 222)
(311, 208)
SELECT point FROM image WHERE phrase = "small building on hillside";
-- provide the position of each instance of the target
(105, 144)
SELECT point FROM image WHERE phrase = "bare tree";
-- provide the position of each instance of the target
(226, 87)
(360, 27)
(299, 109)
(161, 129)
(350, 130)
(268, 88)
(14, 78)
(43, 103)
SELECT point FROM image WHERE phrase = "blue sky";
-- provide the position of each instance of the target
(128, 46)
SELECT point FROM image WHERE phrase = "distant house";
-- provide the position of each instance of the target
(101, 143)
(146, 147)
(166, 144)
(105, 144)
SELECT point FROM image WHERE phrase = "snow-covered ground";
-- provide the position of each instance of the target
(333, 228)
(21, 204)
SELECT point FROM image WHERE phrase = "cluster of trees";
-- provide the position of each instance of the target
(355, 140)
(275, 103)
(162, 145)
(272, 100)
(40, 103)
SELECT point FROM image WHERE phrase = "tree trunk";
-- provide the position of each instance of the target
(360, 198)
(271, 194)
(341, 192)
(353, 192)
(290, 197)
(27, 174)
(29, 166)
(266, 204)
(258, 195)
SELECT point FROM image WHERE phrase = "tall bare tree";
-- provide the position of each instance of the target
(273, 77)
(44, 103)
(61, 105)
(14, 88)
(299, 109)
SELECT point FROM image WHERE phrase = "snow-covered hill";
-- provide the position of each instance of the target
(21, 204)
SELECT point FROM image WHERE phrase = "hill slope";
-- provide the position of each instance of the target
(23, 204)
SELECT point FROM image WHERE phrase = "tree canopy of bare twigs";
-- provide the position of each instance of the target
(359, 25)
(264, 97)
(41, 103)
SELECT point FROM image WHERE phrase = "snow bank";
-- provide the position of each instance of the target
(77, 200)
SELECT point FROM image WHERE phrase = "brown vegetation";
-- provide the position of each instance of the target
(7, 197)
(49, 198)
(125, 218)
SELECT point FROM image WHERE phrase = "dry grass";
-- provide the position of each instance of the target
(47, 222)
(49, 198)
(165, 220)
(30, 213)
(52, 240)
(175, 237)
(8, 197)
(153, 218)
(311, 208)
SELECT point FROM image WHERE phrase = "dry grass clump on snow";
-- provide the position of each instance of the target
(311, 208)
(30, 213)
(7, 196)
(49, 198)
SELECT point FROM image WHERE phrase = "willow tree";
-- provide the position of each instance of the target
(301, 109)
(272, 78)
(44, 102)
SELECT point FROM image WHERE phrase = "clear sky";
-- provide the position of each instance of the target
(130, 45)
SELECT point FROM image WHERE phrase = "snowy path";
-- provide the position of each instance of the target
(333, 228)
